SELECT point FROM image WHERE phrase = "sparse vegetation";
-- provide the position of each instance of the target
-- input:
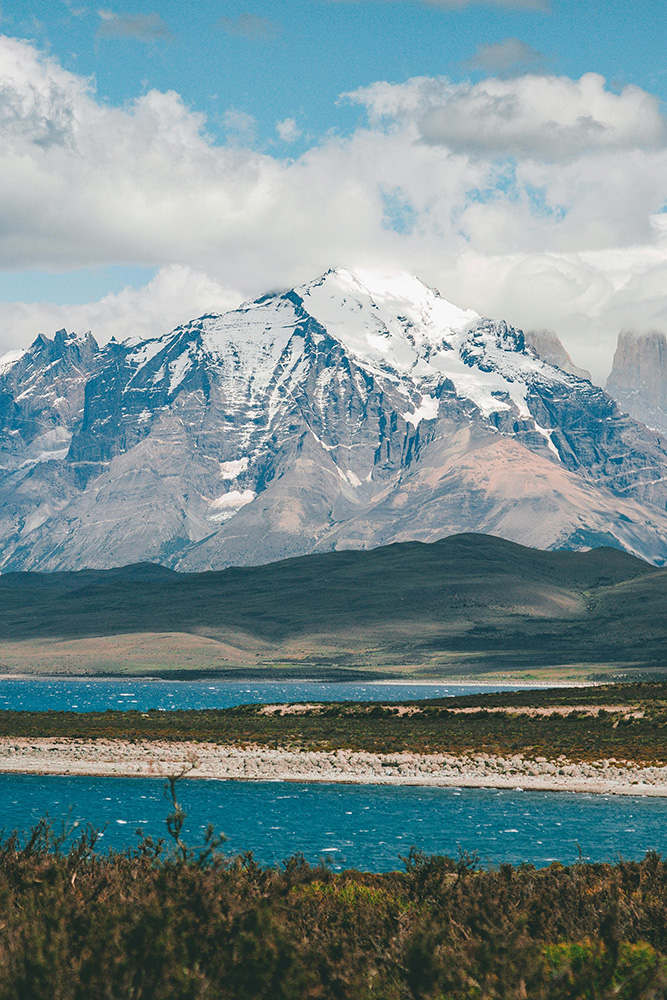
(161, 923)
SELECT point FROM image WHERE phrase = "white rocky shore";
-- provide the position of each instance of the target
(106, 758)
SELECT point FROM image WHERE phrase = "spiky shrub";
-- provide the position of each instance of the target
(164, 921)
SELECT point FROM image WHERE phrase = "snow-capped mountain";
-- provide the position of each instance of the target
(354, 411)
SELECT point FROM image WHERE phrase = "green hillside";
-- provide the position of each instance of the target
(468, 603)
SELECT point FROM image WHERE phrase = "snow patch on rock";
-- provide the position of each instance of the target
(427, 410)
(232, 470)
(225, 506)
(9, 359)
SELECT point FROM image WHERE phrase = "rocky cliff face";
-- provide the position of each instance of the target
(638, 379)
(549, 348)
(354, 411)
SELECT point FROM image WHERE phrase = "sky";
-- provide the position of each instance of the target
(165, 159)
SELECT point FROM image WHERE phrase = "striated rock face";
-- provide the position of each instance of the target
(638, 379)
(354, 411)
(548, 347)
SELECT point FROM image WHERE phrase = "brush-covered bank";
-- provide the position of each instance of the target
(607, 739)
(623, 722)
(159, 923)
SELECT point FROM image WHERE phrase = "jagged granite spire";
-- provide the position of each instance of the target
(638, 378)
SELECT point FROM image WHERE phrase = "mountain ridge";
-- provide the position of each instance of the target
(353, 411)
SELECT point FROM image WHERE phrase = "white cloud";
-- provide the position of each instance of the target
(139, 27)
(250, 26)
(240, 126)
(288, 130)
(561, 233)
(76, 10)
(534, 116)
(82, 183)
(175, 295)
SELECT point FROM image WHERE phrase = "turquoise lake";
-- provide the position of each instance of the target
(362, 826)
(86, 695)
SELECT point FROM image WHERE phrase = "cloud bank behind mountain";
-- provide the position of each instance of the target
(538, 198)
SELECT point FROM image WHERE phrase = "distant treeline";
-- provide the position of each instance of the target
(163, 922)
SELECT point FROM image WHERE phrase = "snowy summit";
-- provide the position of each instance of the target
(358, 409)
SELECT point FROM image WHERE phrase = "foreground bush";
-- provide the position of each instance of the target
(172, 924)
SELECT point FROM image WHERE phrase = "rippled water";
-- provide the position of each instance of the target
(350, 825)
(38, 694)
(368, 827)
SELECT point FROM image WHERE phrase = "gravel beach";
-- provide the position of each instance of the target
(117, 758)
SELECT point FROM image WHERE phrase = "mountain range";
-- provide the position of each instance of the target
(351, 412)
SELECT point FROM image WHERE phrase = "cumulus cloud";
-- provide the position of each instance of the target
(507, 223)
(239, 126)
(140, 27)
(251, 26)
(587, 298)
(534, 116)
(499, 57)
(82, 183)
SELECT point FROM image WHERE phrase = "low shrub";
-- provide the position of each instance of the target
(163, 921)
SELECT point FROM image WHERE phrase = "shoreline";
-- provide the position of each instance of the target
(277, 679)
(160, 759)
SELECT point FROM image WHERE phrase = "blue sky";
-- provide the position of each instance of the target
(267, 77)
(314, 50)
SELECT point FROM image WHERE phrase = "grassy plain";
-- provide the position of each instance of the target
(469, 605)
